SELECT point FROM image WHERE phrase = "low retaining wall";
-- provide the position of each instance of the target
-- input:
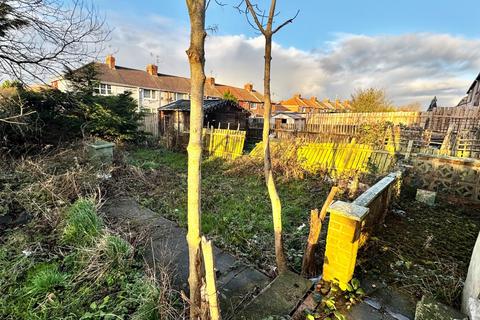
(458, 177)
(351, 224)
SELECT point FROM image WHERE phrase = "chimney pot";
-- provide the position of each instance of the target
(248, 87)
(110, 61)
(152, 69)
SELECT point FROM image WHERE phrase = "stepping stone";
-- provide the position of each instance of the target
(364, 311)
(429, 309)
(279, 298)
(382, 303)
(240, 289)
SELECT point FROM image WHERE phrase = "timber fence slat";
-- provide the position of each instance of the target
(332, 157)
(224, 143)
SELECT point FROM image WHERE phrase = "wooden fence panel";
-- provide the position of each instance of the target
(149, 124)
(224, 143)
(335, 158)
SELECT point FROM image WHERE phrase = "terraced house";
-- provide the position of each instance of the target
(153, 90)
(297, 103)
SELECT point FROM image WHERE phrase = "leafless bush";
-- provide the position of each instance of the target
(43, 185)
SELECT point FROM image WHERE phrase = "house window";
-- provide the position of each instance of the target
(104, 89)
(179, 96)
(149, 94)
(253, 106)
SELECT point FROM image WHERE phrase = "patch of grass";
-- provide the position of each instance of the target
(100, 278)
(45, 279)
(236, 209)
(83, 224)
(155, 158)
(107, 260)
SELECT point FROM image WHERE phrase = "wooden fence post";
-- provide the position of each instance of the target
(409, 150)
(211, 286)
(309, 267)
(210, 140)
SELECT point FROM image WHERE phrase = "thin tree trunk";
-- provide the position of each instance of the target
(196, 57)
(272, 190)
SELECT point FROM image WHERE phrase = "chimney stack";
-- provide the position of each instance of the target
(110, 61)
(297, 95)
(211, 81)
(313, 99)
(152, 69)
(248, 87)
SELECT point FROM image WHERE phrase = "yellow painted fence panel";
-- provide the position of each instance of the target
(335, 158)
(223, 143)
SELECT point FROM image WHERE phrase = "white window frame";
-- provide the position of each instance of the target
(151, 96)
(103, 89)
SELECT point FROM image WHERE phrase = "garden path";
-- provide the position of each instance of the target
(237, 282)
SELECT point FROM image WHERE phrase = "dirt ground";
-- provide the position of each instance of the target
(423, 250)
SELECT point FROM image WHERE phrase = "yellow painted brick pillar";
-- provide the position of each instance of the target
(342, 241)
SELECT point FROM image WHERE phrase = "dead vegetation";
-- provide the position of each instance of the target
(44, 184)
(62, 261)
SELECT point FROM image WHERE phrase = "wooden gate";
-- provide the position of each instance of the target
(224, 143)
(149, 124)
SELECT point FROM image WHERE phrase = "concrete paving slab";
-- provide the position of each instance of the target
(237, 282)
(279, 298)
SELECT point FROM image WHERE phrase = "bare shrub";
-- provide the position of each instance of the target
(43, 185)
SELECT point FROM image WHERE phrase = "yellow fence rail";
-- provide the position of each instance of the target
(335, 158)
(223, 143)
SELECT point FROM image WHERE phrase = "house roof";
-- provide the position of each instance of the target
(240, 93)
(292, 115)
(209, 105)
(164, 82)
(473, 83)
(314, 103)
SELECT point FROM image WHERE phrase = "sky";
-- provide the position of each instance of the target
(413, 50)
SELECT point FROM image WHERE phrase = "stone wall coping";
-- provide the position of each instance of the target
(350, 210)
(101, 145)
(449, 159)
(374, 191)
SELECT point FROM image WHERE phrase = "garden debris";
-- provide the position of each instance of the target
(426, 196)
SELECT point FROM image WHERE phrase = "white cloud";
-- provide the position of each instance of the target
(410, 67)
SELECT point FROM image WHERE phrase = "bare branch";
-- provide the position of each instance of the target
(44, 37)
(255, 17)
(285, 23)
(221, 4)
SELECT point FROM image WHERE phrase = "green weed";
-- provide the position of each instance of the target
(83, 224)
(44, 279)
